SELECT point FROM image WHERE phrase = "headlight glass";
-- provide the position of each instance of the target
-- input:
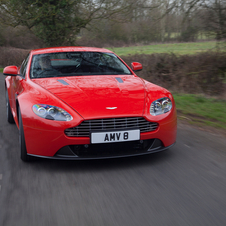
(160, 106)
(51, 112)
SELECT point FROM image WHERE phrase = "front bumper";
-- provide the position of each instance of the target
(56, 145)
(107, 151)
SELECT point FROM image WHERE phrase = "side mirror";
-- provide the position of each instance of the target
(136, 66)
(10, 71)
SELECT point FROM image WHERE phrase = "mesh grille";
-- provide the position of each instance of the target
(83, 130)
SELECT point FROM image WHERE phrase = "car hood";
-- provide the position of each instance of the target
(99, 96)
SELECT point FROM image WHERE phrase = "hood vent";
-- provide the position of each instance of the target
(63, 82)
(119, 80)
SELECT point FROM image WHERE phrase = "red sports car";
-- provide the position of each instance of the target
(86, 103)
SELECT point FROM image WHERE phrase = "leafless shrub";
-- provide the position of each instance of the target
(200, 73)
(12, 56)
(20, 37)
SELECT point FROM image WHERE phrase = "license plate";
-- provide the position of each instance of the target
(116, 136)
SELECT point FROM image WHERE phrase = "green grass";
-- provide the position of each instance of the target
(1, 70)
(177, 48)
(201, 110)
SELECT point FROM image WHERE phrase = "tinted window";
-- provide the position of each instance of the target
(76, 64)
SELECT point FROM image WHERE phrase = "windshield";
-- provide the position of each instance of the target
(76, 64)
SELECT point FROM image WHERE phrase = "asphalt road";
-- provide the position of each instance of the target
(185, 185)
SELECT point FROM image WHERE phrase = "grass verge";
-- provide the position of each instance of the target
(1, 70)
(176, 48)
(201, 111)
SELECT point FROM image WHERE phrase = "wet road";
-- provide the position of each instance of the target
(185, 185)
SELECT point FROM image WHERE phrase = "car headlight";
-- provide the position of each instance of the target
(160, 106)
(51, 112)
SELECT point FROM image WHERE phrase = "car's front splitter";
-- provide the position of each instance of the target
(69, 152)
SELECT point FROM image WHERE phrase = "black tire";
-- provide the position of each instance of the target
(23, 149)
(9, 114)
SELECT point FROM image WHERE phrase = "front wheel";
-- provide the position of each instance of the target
(23, 149)
(9, 114)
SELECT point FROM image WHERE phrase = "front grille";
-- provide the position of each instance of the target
(83, 130)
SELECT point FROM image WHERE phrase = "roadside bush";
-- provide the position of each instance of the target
(19, 37)
(12, 56)
(200, 73)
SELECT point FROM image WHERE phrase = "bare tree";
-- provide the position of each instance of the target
(209, 15)
(214, 18)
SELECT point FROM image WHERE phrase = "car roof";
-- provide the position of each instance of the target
(68, 49)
